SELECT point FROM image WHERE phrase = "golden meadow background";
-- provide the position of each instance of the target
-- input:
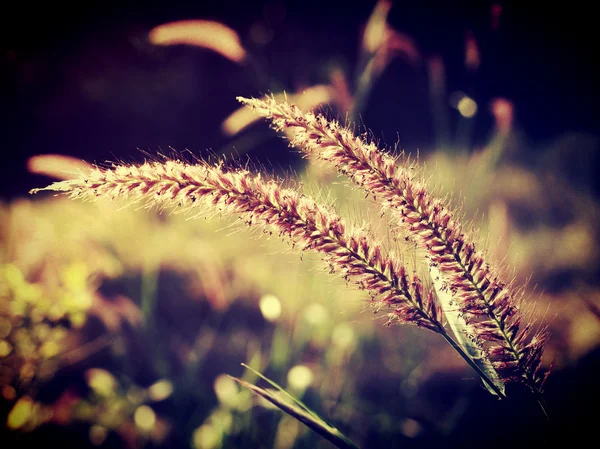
(119, 327)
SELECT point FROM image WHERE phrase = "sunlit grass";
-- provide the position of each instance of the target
(129, 322)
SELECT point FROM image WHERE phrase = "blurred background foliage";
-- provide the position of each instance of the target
(119, 327)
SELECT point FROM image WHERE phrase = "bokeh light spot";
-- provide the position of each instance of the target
(206, 437)
(467, 107)
(161, 390)
(225, 388)
(343, 336)
(5, 348)
(300, 377)
(50, 349)
(101, 381)
(503, 111)
(316, 314)
(20, 413)
(9, 393)
(144, 418)
(270, 307)
(410, 428)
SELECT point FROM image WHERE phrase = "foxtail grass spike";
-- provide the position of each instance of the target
(487, 303)
(203, 189)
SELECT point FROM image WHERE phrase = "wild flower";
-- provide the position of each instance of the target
(488, 304)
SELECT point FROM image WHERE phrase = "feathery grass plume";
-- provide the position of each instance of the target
(487, 303)
(204, 189)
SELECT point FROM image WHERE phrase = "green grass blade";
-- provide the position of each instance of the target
(464, 336)
(284, 391)
(302, 414)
